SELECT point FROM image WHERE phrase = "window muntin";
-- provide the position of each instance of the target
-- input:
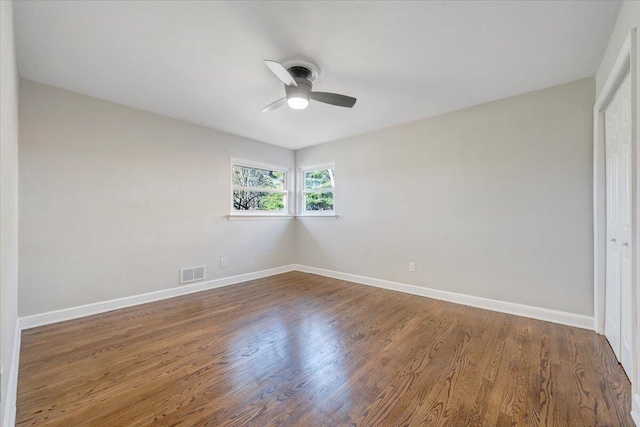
(318, 190)
(258, 189)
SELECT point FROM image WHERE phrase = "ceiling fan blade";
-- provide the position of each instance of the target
(281, 72)
(333, 99)
(279, 103)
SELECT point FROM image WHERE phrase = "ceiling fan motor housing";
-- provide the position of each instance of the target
(302, 91)
(300, 71)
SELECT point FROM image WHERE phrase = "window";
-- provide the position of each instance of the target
(318, 190)
(258, 189)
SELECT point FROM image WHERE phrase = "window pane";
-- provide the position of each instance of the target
(319, 201)
(245, 176)
(323, 178)
(257, 201)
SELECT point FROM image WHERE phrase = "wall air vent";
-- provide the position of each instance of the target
(192, 274)
(198, 273)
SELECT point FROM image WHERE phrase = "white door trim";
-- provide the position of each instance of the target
(620, 69)
(627, 61)
(635, 135)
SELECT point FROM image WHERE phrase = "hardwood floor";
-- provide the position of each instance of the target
(304, 350)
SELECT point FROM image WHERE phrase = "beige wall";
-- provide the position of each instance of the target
(8, 192)
(114, 201)
(628, 18)
(492, 201)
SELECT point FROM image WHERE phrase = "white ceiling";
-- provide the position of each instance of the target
(202, 61)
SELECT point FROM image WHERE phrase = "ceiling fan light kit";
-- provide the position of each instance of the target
(298, 96)
(298, 81)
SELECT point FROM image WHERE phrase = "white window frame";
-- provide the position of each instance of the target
(302, 191)
(286, 213)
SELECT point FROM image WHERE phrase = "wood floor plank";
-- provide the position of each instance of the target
(478, 400)
(304, 350)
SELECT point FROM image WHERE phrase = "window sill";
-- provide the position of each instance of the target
(257, 217)
(329, 216)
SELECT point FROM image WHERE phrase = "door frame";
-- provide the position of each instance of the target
(627, 61)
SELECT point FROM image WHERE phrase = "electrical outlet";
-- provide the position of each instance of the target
(412, 267)
(223, 262)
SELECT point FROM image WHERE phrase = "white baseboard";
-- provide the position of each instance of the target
(12, 382)
(555, 316)
(50, 317)
(635, 409)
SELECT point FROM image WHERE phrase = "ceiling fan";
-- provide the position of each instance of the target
(298, 81)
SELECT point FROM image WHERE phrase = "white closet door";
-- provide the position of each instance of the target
(619, 174)
(626, 187)
(612, 281)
